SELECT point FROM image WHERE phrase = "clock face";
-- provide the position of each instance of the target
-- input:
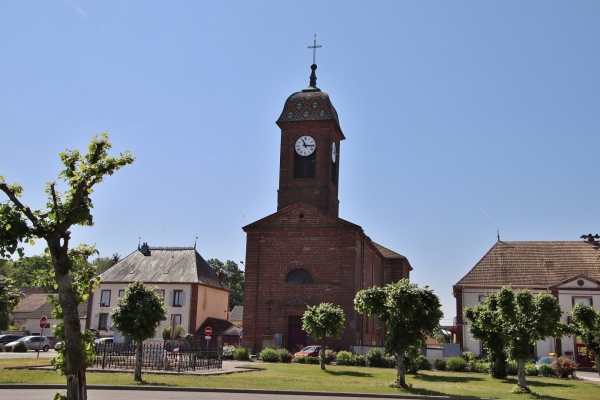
(305, 145)
(333, 152)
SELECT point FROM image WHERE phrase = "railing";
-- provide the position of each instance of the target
(158, 357)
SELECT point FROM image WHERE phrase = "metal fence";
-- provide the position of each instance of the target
(158, 357)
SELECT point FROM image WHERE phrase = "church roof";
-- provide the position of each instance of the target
(310, 104)
(387, 253)
(163, 264)
(533, 264)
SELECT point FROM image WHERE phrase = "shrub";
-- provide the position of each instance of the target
(241, 354)
(546, 370)
(300, 359)
(179, 332)
(284, 356)
(531, 369)
(361, 361)
(512, 368)
(564, 367)
(422, 363)
(456, 364)
(374, 358)
(439, 364)
(166, 333)
(228, 351)
(345, 358)
(469, 356)
(269, 355)
(313, 360)
(2, 348)
(390, 362)
(479, 366)
(20, 347)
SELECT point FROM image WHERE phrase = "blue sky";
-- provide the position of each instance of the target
(461, 118)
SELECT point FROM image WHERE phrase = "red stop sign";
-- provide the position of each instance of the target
(208, 331)
(43, 322)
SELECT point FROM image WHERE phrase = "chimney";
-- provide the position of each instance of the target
(145, 249)
(221, 277)
(591, 239)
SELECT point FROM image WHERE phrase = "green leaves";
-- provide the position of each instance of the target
(323, 321)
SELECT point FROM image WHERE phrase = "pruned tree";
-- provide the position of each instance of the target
(408, 312)
(485, 326)
(586, 325)
(521, 319)
(19, 224)
(137, 315)
(322, 322)
(9, 299)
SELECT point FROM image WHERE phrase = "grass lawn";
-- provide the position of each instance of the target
(334, 379)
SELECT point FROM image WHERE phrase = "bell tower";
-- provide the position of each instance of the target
(310, 149)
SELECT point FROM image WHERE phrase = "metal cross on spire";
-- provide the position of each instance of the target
(315, 47)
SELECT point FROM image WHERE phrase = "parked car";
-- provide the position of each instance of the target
(309, 351)
(59, 345)
(36, 343)
(9, 337)
(544, 360)
(103, 340)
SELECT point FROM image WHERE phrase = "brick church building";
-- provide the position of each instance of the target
(304, 254)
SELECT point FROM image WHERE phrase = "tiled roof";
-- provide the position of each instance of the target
(47, 308)
(237, 313)
(166, 265)
(387, 253)
(31, 303)
(533, 264)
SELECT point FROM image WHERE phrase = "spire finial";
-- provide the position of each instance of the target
(315, 47)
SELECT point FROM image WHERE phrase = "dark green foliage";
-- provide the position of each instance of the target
(512, 367)
(422, 363)
(439, 364)
(374, 358)
(20, 347)
(586, 325)
(284, 356)
(241, 354)
(2, 348)
(300, 359)
(498, 364)
(360, 360)
(531, 369)
(547, 370)
(345, 358)
(456, 364)
(9, 298)
(269, 355)
(313, 360)
(479, 366)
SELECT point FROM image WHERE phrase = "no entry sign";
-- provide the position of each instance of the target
(43, 322)
(208, 331)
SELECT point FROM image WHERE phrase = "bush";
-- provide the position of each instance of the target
(284, 356)
(313, 360)
(456, 364)
(546, 370)
(422, 363)
(512, 368)
(361, 361)
(166, 333)
(228, 351)
(179, 332)
(564, 367)
(345, 358)
(479, 366)
(374, 358)
(241, 354)
(439, 364)
(300, 359)
(269, 355)
(2, 348)
(20, 347)
(469, 356)
(531, 369)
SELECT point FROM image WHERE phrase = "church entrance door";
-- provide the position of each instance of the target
(296, 336)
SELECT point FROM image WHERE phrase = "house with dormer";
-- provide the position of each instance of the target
(568, 270)
(193, 292)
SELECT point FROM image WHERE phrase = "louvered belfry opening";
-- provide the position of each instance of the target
(305, 166)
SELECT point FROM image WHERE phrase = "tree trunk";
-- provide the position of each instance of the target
(400, 376)
(74, 350)
(521, 373)
(137, 373)
(323, 356)
(597, 359)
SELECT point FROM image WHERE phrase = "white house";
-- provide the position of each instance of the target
(192, 291)
(568, 270)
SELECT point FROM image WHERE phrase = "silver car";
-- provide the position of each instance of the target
(36, 343)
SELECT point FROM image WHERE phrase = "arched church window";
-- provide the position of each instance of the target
(299, 275)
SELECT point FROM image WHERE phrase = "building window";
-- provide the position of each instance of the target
(585, 300)
(178, 298)
(175, 320)
(482, 298)
(299, 275)
(105, 298)
(103, 322)
(121, 293)
(305, 166)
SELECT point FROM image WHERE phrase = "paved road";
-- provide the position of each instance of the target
(43, 394)
(30, 354)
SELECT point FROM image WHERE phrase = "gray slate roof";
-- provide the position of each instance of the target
(163, 265)
(534, 264)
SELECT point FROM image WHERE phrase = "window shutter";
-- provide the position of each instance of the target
(171, 295)
(183, 298)
(108, 322)
(96, 320)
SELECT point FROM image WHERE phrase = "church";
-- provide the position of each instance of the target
(304, 254)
